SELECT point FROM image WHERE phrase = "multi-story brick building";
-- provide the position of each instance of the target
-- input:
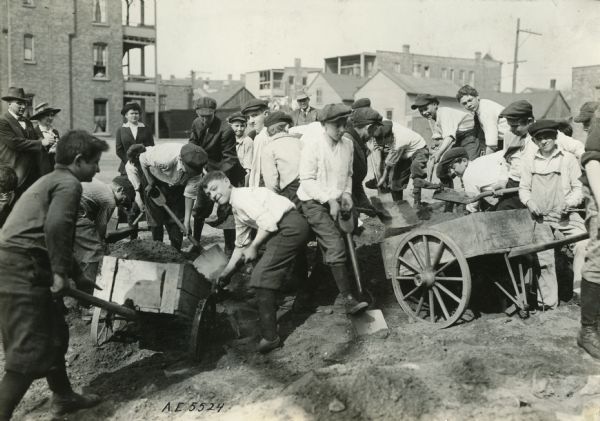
(71, 54)
(483, 72)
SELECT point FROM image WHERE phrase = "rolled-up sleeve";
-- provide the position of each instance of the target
(133, 176)
(348, 187)
(575, 194)
(242, 233)
(192, 186)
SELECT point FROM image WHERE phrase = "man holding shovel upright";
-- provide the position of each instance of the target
(279, 227)
(174, 169)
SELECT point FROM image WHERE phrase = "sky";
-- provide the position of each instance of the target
(236, 36)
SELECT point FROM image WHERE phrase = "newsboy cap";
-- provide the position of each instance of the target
(361, 102)
(541, 126)
(333, 112)
(193, 156)
(254, 105)
(278, 117)
(517, 109)
(449, 157)
(131, 106)
(423, 99)
(586, 112)
(366, 115)
(205, 105)
(237, 117)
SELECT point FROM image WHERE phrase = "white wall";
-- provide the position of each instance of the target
(329, 96)
(385, 95)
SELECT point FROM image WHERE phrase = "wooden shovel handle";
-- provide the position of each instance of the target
(79, 295)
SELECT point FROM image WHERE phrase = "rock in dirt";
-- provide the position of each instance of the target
(146, 250)
(336, 405)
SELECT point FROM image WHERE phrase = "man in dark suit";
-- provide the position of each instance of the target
(304, 114)
(19, 147)
(218, 140)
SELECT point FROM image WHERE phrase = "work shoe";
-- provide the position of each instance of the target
(589, 340)
(265, 346)
(71, 402)
(371, 184)
(353, 306)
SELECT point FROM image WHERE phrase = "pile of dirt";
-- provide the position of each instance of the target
(147, 250)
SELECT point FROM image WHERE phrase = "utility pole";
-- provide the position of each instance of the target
(156, 77)
(516, 61)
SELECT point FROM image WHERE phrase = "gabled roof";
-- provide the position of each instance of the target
(221, 90)
(541, 99)
(418, 85)
(344, 85)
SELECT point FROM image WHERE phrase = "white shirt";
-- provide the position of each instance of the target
(493, 126)
(164, 163)
(256, 207)
(406, 143)
(482, 173)
(325, 167)
(448, 121)
(133, 128)
(261, 139)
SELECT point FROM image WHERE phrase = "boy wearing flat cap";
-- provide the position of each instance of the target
(586, 112)
(244, 144)
(326, 189)
(176, 170)
(407, 159)
(256, 110)
(589, 338)
(550, 188)
(519, 117)
(304, 114)
(279, 227)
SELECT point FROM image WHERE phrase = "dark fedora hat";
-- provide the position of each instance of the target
(15, 94)
(42, 110)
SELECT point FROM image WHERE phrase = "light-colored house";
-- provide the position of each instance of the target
(330, 88)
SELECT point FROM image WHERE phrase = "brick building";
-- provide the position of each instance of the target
(481, 71)
(586, 87)
(71, 54)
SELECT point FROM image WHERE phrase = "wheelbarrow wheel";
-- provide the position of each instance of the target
(431, 278)
(104, 325)
(203, 327)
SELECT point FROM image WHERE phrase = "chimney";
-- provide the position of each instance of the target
(477, 55)
(406, 48)
(243, 77)
(172, 77)
(297, 62)
(553, 84)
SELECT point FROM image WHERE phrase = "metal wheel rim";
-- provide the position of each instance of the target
(442, 290)
(202, 327)
(104, 325)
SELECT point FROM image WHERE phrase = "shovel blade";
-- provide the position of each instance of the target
(211, 262)
(369, 322)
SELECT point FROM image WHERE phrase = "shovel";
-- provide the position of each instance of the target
(159, 198)
(370, 321)
(450, 195)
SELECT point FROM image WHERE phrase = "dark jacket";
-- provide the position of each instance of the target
(124, 139)
(301, 120)
(20, 150)
(218, 140)
(46, 162)
(359, 169)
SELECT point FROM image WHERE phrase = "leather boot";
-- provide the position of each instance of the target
(342, 280)
(70, 402)
(416, 198)
(588, 337)
(268, 320)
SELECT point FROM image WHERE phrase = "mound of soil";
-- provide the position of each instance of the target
(147, 250)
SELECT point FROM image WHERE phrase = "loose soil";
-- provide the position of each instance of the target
(494, 367)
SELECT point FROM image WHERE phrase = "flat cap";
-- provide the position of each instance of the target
(333, 112)
(237, 117)
(586, 112)
(518, 109)
(131, 106)
(193, 156)
(254, 104)
(366, 115)
(423, 99)
(205, 105)
(300, 95)
(278, 117)
(361, 102)
(448, 158)
(541, 126)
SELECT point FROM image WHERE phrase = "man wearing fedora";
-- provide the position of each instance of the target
(304, 114)
(48, 135)
(20, 148)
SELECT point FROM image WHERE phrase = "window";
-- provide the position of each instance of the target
(100, 61)
(471, 78)
(264, 80)
(444, 73)
(100, 115)
(426, 72)
(28, 47)
(416, 70)
(99, 11)
(291, 80)
(461, 76)
(304, 81)
(162, 103)
(29, 97)
(319, 96)
(389, 114)
(397, 68)
(277, 78)
(451, 75)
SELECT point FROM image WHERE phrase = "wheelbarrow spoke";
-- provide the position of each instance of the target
(408, 265)
(412, 291)
(420, 304)
(438, 255)
(446, 265)
(449, 278)
(448, 292)
(441, 302)
(405, 278)
(416, 254)
(427, 253)
(431, 309)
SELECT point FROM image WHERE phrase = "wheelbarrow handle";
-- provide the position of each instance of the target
(86, 298)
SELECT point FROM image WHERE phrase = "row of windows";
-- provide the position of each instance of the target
(424, 70)
(98, 9)
(265, 80)
(99, 56)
